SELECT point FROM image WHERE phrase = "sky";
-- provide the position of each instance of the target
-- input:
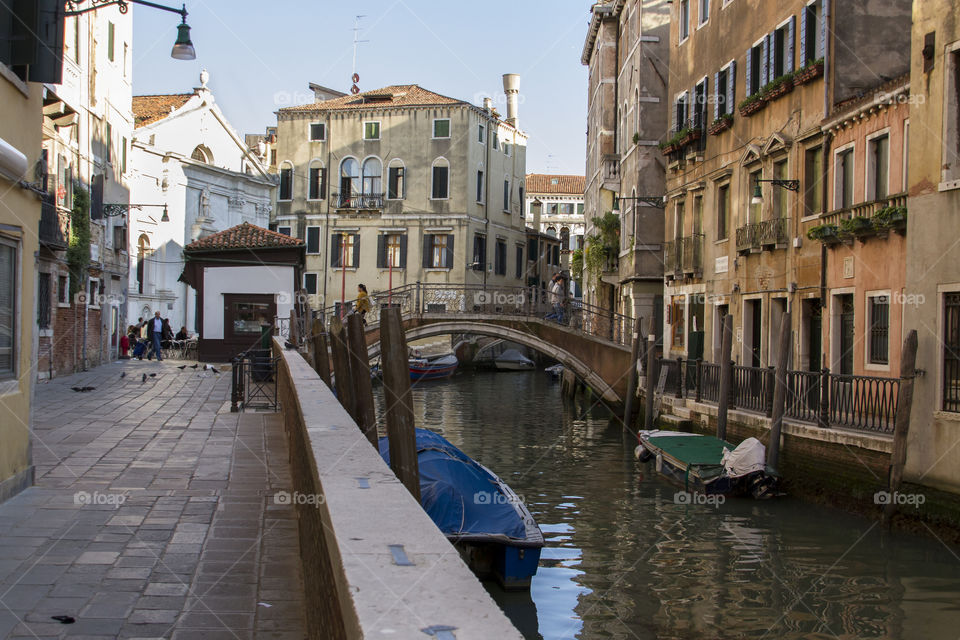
(262, 55)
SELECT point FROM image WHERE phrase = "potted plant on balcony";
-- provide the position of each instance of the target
(858, 226)
(825, 233)
(890, 218)
(752, 104)
(779, 87)
(721, 124)
(690, 135)
(813, 69)
(603, 245)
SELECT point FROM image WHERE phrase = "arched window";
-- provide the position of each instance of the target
(316, 180)
(202, 154)
(372, 176)
(636, 112)
(143, 250)
(396, 180)
(564, 238)
(440, 179)
(349, 177)
(286, 181)
(552, 231)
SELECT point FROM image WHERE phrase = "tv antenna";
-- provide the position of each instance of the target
(355, 78)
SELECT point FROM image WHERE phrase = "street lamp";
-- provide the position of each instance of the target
(182, 48)
(792, 185)
(111, 210)
(653, 201)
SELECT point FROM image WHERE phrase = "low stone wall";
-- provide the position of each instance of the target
(352, 510)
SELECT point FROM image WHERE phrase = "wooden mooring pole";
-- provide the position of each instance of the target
(399, 406)
(651, 383)
(294, 332)
(779, 391)
(321, 358)
(341, 367)
(908, 368)
(630, 400)
(726, 372)
(362, 388)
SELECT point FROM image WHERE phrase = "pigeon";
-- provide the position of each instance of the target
(143, 379)
(153, 375)
(88, 389)
(215, 370)
(194, 366)
(64, 619)
(182, 367)
(123, 375)
(77, 389)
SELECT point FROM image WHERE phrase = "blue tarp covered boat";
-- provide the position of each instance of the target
(478, 512)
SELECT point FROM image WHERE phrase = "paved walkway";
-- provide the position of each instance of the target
(152, 515)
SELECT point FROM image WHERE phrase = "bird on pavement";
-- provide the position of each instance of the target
(194, 366)
(182, 367)
(153, 375)
(215, 370)
(123, 374)
(77, 389)
(88, 389)
(143, 379)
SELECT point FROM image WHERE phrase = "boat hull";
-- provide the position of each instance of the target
(433, 368)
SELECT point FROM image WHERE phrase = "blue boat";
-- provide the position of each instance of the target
(433, 367)
(490, 526)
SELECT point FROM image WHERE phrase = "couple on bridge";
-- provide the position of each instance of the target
(558, 298)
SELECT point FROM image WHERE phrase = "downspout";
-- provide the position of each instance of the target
(825, 163)
(486, 196)
(326, 231)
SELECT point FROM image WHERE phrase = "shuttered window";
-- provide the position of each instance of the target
(8, 310)
(313, 239)
(441, 186)
(392, 251)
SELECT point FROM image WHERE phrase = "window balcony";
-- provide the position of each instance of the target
(359, 201)
(54, 224)
(773, 233)
(672, 265)
(611, 172)
(748, 238)
(692, 255)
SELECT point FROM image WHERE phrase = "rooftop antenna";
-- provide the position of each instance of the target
(551, 165)
(355, 78)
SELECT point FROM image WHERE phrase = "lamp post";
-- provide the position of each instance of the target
(182, 47)
(791, 185)
(112, 210)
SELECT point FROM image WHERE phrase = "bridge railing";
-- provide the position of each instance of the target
(463, 299)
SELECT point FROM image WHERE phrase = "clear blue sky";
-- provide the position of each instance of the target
(262, 55)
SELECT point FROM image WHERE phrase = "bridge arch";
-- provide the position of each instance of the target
(585, 372)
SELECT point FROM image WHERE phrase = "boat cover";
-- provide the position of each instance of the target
(462, 497)
(749, 456)
(512, 355)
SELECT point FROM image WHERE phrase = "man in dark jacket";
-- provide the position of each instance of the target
(154, 335)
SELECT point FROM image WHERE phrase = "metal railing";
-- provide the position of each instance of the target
(748, 237)
(254, 381)
(54, 224)
(693, 254)
(866, 403)
(366, 201)
(864, 209)
(773, 232)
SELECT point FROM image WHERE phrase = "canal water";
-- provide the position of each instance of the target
(625, 558)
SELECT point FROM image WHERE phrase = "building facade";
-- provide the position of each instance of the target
(627, 52)
(933, 271)
(87, 126)
(757, 90)
(196, 177)
(402, 185)
(554, 206)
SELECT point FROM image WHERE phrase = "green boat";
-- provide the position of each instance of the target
(705, 464)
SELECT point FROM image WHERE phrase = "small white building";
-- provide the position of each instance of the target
(554, 204)
(187, 158)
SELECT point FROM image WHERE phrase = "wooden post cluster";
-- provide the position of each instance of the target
(399, 406)
(908, 369)
(726, 371)
(780, 391)
(294, 332)
(651, 381)
(321, 361)
(632, 375)
(362, 387)
(341, 367)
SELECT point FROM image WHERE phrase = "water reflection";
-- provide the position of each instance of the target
(623, 560)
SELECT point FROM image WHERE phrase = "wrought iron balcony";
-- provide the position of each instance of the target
(748, 238)
(773, 233)
(54, 225)
(360, 201)
(693, 255)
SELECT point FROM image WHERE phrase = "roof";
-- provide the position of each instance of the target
(552, 183)
(398, 95)
(243, 236)
(149, 109)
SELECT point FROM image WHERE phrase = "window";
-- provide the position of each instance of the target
(345, 250)
(111, 36)
(951, 351)
(143, 252)
(318, 131)
(392, 251)
(519, 262)
(43, 300)
(500, 258)
(313, 240)
(481, 133)
(440, 186)
(723, 211)
(755, 71)
(372, 177)
(780, 194)
(811, 33)
(109, 142)
(201, 154)
(317, 188)
(843, 185)
(441, 128)
(676, 322)
(506, 195)
(349, 179)
(123, 155)
(951, 112)
(754, 208)
(700, 105)
(9, 315)
(396, 187)
(879, 345)
(580, 209)
(371, 130)
(479, 185)
(310, 283)
(496, 139)
(704, 13)
(286, 184)
(284, 230)
(782, 55)
(878, 166)
(93, 299)
(684, 19)
(479, 252)
(63, 290)
(681, 111)
(813, 181)
(905, 154)
(438, 251)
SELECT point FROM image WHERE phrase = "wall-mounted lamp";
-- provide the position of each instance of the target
(182, 48)
(792, 185)
(111, 210)
(653, 201)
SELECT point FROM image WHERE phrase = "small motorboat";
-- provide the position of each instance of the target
(708, 465)
(433, 367)
(484, 519)
(555, 371)
(513, 360)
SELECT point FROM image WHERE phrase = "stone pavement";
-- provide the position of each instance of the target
(152, 515)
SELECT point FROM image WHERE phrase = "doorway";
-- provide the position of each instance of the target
(752, 332)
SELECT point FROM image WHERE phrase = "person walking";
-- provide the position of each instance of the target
(555, 298)
(155, 335)
(363, 302)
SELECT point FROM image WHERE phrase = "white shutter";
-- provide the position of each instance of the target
(791, 41)
(765, 62)
(748, 74)
(803, 37)
(821, 46)
(716, 95)
(731, 85)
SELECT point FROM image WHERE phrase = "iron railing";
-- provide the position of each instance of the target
(254, 381)
(693, 254)
(54, 224)
(672, 250)
(773, 232)
(864, 209)
(866, 403)
(366, 201)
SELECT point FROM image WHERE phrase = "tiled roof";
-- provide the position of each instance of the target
(548, 183)
(398, 95)
(244, 236)
(149, 109)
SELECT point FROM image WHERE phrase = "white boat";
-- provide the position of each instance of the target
(555, 371)
(513, 360)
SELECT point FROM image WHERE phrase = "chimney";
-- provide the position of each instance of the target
(511, 87)
(488, 104)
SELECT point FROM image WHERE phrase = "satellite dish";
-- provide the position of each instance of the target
(356, 78)
(354, 89)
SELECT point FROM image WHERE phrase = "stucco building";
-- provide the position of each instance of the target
(758, 92)
(555, 207)
(933, 245)
(627, 52)
(199, 177)
(399, 185)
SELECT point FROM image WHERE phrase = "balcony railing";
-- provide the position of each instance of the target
(364, 201)
(611, 172)
(693, 255)
(865, 209)
(672, 250)
(748, 238)
(54, 224)
(774, 233)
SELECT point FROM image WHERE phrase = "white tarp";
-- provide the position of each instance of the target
(748, 457)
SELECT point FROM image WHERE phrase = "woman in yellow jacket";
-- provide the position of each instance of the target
(363, 302)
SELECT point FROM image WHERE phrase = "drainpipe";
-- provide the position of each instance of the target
(326, 230)
(492, 122)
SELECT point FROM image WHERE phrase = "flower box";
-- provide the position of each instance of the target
(667, 149)
(779, 88)
(858, 226)
(825, 233)
(752, 104)
(690, 137)
(813, 70)
(720, 125)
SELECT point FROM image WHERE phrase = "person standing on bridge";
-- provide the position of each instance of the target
(363, 302)
(556, 298)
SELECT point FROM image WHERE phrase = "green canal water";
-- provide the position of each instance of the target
(624, 560)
